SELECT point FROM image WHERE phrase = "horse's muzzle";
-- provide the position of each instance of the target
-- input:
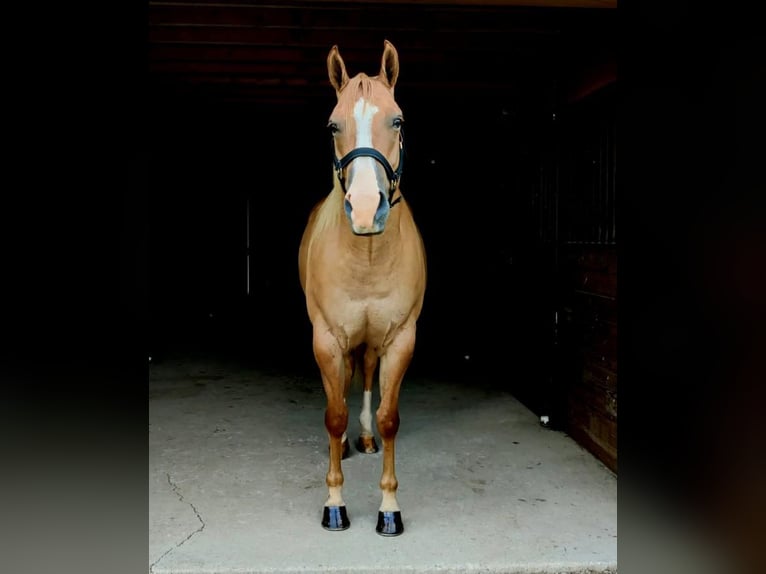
(367, 217)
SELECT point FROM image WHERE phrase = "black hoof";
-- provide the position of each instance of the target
(389, 523)
(368, 447)
(335, 518)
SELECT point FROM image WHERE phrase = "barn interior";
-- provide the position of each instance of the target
(510, 169)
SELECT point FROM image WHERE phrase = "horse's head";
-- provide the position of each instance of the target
(366, 129)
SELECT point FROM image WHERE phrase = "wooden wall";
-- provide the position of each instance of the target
(587, 252)
(588, 336)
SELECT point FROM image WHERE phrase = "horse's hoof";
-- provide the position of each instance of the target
(335, 518)
(366, 444)
(389, 523)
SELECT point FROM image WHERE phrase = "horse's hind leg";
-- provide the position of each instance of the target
(393, 365)
(332, 366)
(366, 441)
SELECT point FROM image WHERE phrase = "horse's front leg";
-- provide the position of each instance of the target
(332, 365)
(393, 365)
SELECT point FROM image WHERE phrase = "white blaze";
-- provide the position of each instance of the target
(363, 194)
(363, 114)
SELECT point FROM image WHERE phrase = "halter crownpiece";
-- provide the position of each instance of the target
(394, 175)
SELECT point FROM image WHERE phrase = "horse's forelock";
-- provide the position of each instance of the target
(360, 86)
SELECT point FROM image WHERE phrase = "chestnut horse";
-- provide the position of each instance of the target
(363, 271)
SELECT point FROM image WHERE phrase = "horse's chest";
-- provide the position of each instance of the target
(371, 314)
(383, 324)
(372, 321)
(363, 302)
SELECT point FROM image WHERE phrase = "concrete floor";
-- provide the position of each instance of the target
(238, 456)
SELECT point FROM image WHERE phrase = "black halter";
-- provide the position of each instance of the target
(394, 175)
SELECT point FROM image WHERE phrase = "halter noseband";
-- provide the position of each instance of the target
(394, 175)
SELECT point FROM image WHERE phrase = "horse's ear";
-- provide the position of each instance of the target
(389, 65)
(336, 69)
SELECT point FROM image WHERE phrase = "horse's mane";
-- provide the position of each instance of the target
(327, 214)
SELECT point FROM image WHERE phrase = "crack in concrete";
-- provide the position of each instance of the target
(180, 496)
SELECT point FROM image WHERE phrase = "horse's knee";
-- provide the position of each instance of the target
(388, 422)
(336, 420)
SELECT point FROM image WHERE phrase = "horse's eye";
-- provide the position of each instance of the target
(397, 123)
(333, 127)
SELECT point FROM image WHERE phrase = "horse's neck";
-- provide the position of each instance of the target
(375, 249)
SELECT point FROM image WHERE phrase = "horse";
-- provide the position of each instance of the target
(362, 267)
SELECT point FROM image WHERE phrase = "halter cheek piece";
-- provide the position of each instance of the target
(394, 175)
